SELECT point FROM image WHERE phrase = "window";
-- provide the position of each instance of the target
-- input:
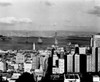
(71, 76)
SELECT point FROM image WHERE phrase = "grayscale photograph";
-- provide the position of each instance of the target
(50, 40)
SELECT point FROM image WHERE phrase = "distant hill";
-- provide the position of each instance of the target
(44, 33)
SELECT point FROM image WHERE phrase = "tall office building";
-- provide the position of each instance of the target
(76, 63)
(93, 59)
(96, 40)
(98, 59)
(65, 64)
(83, 64)
(95, 56)
(55, 59)
(61, 66)
(35, 62)
(89, 63)
(69, 63)
(55, 64)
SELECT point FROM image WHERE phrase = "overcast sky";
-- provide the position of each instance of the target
(69, 15)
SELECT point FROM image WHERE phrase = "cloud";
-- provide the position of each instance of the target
(95, 11)
(5, 4)
(47, 3)
(14, 20)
